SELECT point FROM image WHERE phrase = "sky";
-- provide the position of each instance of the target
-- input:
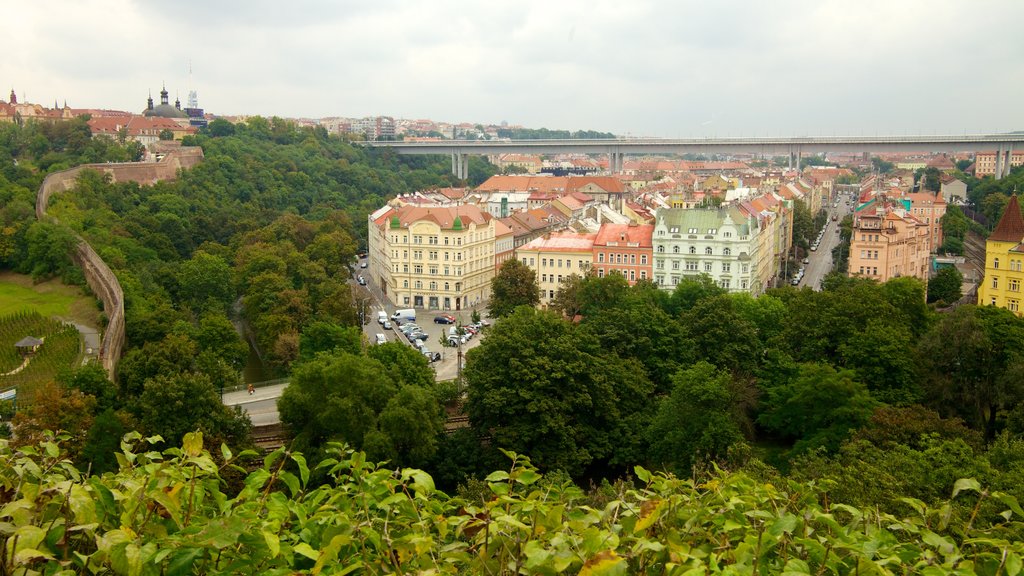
(672, 68)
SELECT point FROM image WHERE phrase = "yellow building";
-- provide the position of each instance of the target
(432, 257)
(1004, 259)
(555, 257)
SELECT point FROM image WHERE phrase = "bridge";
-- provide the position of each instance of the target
(794, 148)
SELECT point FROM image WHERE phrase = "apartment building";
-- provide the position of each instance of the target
(1004, 262)
(985, 162)
(625, 248)
(433, 257)
(556, 256)
(929, 208)
(888, 242)
(719, 242)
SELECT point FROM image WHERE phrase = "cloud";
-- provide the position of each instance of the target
(669, 68)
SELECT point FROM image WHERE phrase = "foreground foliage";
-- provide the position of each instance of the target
(170, 513)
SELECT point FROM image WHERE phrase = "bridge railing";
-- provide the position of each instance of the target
(263, 384)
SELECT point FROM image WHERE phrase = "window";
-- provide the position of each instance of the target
(543, 277)
(995, 263)
(600, 256)
(744, 268)
(632, 275)
(433, 286)
(743, 284)
(1014, 285)
(995, 282)
(543, 262)
(728, 235)
(643, 274)
(661, 249)
(660, 279)
(726, 251)
(419, 284)
(405, 283)
(632, 258)
(691, 266)
(417, 269)
(726, 267)
(707, 266)
(675, 265)
(724, 283)
(643, 259)
(693, 249)
(1011, 305)
(675, 249)
(661, 264)
(708, 251)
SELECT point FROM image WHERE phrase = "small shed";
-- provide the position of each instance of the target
(28, 345)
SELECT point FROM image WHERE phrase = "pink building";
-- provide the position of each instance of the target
(889, 242)
(626, 248)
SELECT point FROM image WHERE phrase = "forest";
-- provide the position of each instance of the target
(860, 395)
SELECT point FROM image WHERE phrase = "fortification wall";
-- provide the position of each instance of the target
(98, 275)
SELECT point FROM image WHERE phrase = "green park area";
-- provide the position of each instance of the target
(50, 298)
(31, 311)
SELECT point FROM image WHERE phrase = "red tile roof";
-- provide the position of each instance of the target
(1011, 225)
(633, 233)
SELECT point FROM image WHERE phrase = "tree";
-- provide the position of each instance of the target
(695, 422)
(882, 356)
(944, 288)
(513, 286)
(166, 134)
(541, 386)
(567, 297)
(91, 379)
(820, 407)
(172, 405)
(971, 362)
(205, 281)
(356, 399)
(320, 336)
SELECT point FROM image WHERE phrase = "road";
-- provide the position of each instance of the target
(820, 261)
(261, 405)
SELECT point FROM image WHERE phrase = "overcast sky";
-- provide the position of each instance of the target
(673, 68)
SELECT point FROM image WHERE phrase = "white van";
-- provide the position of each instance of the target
(404, 315)
(382, 317)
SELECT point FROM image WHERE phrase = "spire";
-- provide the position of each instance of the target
(163, 95)
(1011, 225)
(177, 102)
(149, 101)
(14, 97)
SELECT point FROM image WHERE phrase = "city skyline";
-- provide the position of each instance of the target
(789, 68)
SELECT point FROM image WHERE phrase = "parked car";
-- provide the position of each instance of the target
(444, 319)
(796, 281)
(382, 339)
(431, 356)
(807, 260)
(361, 280)
(420, 335)
(363, 264)
(386, 324)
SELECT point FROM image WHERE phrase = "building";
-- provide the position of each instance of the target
(929, 208)
(985, 162)
(556, 256)
(432, 257)
(164, 109)
(1004, 262)
(888, 242)
(953, 190)
(375, 127)
(719, 242)
(625, 248)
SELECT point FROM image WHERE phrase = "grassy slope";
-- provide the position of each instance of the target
(50, 298)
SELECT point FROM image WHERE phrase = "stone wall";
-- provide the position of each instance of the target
(98, 275)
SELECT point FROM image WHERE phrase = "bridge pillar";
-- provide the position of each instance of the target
(455, 168)
(1007, 162)
(999, 164)
(463, 167)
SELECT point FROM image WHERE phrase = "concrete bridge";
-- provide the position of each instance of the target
(794, 148)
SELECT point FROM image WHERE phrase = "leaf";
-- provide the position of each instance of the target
(497, 476)
(269, 459)
(966, 484)
(192, 444)
(784, 525)
(291, 481)
(604, 563)
(1010, 501)
(28, 555)
(796, 567)
(225, 452)
(642, 474)
(82, 505)
(273, 543)
(300, 461)
(526, 477)
(307, 551)
(941, 544)
(422, 483)
(650, 512)
(182, 561)
(1013, 564)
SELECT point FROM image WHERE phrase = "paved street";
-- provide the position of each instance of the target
(821, 260)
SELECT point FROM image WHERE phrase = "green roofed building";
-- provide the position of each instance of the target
(719, 242)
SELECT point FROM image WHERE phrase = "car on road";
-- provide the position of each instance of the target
(814, 247)
(363, 264)
(382, 339)
(807, 260)
(444, 319)
(386, 324)
(431, 356)
(361, 280)
(796, 281)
